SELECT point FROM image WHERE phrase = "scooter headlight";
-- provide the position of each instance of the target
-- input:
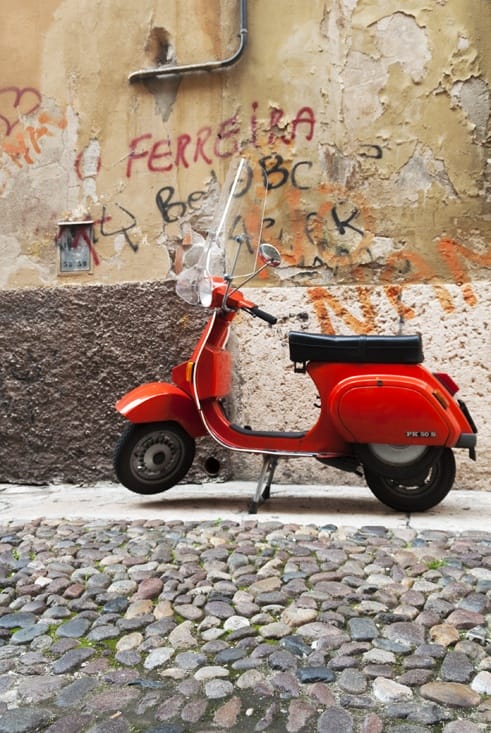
(206, 291)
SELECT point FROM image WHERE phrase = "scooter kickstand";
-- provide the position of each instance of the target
(267, 473)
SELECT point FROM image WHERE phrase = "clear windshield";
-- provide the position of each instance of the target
(232, 243)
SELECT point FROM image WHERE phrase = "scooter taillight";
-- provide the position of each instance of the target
(447, 382)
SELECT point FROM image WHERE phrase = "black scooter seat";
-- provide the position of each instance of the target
(306, 347)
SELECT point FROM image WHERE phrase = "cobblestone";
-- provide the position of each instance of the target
(182, 627)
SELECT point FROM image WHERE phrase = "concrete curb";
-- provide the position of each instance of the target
(309, 504)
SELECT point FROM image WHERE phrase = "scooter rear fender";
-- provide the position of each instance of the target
(159, 402)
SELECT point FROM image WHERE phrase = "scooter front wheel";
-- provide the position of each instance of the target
(153, 457)
(415, 494)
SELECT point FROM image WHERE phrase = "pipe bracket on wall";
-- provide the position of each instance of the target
(161, 71)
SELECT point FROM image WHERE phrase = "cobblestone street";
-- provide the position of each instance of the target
(192, 627)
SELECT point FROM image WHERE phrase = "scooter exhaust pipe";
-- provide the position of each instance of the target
(212, 466)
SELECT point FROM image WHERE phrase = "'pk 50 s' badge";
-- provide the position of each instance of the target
(420, 434)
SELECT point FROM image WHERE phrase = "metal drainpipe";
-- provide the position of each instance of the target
(208, 66)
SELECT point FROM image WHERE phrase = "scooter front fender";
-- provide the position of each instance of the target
(159, 402)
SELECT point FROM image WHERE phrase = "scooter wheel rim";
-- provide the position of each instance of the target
(397, 455)
(155, 455)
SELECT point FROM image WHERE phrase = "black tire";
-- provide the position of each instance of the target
(397, 461)
(415, 494)
(153, 457)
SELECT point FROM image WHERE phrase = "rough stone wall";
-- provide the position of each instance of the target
(371, 118)
(67, 355)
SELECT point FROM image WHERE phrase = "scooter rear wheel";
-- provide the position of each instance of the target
(397, 461)
(153, 457)
(415, 494)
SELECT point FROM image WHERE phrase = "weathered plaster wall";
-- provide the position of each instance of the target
(372, 120)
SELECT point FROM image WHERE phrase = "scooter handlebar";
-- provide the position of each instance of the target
(236, 301)
(258, 313)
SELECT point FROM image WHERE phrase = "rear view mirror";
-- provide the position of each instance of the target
(269, 255)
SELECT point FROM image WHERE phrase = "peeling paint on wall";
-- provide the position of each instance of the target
(473, 96)
(401, 41)
(419, 174)
(378, 78)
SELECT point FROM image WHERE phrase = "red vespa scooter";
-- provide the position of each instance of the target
(381, 410)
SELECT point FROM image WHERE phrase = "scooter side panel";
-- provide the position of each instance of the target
(158, 402)
(392, 409)
(213, 373)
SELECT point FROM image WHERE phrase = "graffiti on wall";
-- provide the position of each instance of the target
(16, 103)
(23, 124)
(317, 226)
(77, 241)
(208, 144)
(452, 256)
(124, 230)
(332, 230)
(323, 229)
(327, 227)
